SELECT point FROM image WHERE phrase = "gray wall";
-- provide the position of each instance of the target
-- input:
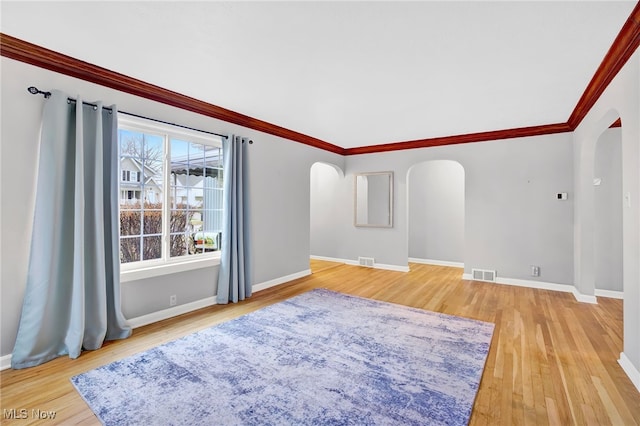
(330, 214)
(145, 296)
(436, 211)
(608, 211)
(620, 99)
(512, 217)
(279, 199)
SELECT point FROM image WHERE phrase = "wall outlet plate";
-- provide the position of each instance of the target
(535, 271)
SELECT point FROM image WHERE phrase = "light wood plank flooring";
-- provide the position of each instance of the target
(552, 360)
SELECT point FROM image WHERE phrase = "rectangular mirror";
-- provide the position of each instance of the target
(373, 196)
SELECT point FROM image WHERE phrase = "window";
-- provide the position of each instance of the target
(130, 176)
(170, 194)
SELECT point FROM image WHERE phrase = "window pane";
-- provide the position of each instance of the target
(152, 247)
(129, 250)
(212, 220)
(185, 226)
(178, 222)
(141, 187)
(179, 158)
(152, 222)
(130, 143)
(195, 197)
(150, 175)
(140, 167)
(153, 150)
(130, 222)
(196, 159)
(213, 157)
(179, 245)
(206, 241)
(179, 197)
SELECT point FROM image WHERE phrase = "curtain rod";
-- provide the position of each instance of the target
(35, 91)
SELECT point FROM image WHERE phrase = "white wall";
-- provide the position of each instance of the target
(279, 196)
(620, 99)
(608, 211)
(436, 211)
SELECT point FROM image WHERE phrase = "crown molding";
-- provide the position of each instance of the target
(617, 123)
(625, 44)
(29, 53)
(520, 132)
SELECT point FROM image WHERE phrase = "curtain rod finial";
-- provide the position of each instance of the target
(35, 91)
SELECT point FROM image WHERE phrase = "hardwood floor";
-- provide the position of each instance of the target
(553, 360)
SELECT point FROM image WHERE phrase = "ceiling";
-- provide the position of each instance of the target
(349, 73)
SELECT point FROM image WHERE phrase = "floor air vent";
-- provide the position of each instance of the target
(365, 261)
(483, 275)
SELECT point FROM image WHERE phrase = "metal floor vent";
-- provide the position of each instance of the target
(484, 275)
(366, 261)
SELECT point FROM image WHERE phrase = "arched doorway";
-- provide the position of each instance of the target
(436, 212)
(328, 211)
(608, 204)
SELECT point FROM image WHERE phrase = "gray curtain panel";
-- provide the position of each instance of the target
(72, 296)
(234, 278)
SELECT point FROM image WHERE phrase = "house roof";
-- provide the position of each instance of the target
(350, 74)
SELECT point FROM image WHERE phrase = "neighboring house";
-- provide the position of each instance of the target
(138, 182)
(188, 183)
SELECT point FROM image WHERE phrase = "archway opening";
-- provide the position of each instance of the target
(608, 205)
(329, 214)
(436, 213)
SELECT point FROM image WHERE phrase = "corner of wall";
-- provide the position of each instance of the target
(630, 369)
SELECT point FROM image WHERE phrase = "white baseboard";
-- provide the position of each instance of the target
(203, 303)
(271, 283)
(328, 259)
(5, 362)
(398, 268)
(630, 370)
(542, 285)
(171, 312)
(612, 294)
(436, 262)
(584, 298)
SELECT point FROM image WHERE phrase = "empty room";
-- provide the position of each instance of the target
(320, 212)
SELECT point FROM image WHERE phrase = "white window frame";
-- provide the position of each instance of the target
(165, 265)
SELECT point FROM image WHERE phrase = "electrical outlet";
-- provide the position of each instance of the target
(173, 300)
(535, 271)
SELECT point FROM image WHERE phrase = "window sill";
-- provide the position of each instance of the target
(167, 268)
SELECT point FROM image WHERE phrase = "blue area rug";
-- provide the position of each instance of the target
(318, 358)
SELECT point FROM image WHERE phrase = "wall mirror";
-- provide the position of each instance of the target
(373, 196)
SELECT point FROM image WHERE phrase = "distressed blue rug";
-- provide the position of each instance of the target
(318, 358)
